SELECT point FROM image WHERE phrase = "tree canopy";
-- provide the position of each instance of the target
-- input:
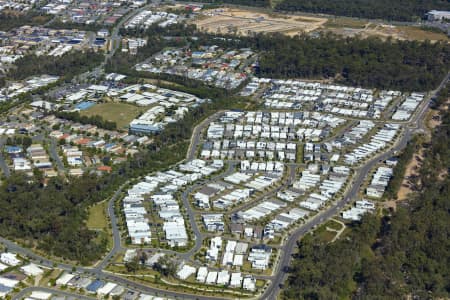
(405, 253)
(399, 10)
(66, 66)
(12, 20)
(371, 62)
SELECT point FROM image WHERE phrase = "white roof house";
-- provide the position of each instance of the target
(249, 283)
(185, 272)
(32, 270)
(238, 260)
(9, 259)
(106, 289)
(64, 279)
(236, 280)
(40, 295)
(201, 274)
(8, 282)
(223, 278)
(211, 278)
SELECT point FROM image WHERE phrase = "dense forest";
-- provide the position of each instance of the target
(404, 254)
(399, 10)
(397, 177)
(12, 20)
(57, 24)
(256, 3)
(371, 62)
(66, 66)
(93, 120)
(53, 216)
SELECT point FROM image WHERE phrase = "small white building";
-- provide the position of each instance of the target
(32, 270)
(185, 272)
(9, 259)
(201, 274)
(249, 283)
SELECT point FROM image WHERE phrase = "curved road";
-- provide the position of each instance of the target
(415, 124)
(23, 293)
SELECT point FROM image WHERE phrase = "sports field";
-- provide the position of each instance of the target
(121, 113)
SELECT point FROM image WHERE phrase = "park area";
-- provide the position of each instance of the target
(121, 113)
(98, 221)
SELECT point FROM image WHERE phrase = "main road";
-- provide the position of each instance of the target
(23, 293)
(415, 125)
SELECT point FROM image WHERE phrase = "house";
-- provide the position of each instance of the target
(236, 280)
(106, 289)
(186, 271)
(249, 283)
(10, 259)
(212, 253)
(64, 279)
(39, 295)
(204, 195)
(260, 257)
(176, 233)
(223, 277)
(213, 222)
(211, 278)
(236, 228)
(436, 15)
(32, 270)
(94, 286)
(201, 274)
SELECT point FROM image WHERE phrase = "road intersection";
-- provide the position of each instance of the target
(411, 127)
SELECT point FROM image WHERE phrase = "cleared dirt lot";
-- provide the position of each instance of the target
(230, 20)
(245, 22)
(364, 30)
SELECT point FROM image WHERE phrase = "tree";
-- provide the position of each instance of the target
(133, 265)
(165, 266)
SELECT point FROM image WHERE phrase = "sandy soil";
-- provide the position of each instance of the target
(245, 22)
(385, 31)
(411, 170)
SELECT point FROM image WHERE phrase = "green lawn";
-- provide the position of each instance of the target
(323, 234)
(97, 217)
(121, 113)
(98, 221)
(333, 225)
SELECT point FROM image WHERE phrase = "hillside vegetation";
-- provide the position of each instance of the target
(398, 10)
(403, 255)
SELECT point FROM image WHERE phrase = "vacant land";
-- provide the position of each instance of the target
(341, 22)
(411, 171)
(247, 22)
(97, 217)
(98, 221)
(349, 27)
(121, 113)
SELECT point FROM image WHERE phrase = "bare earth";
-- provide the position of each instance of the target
(245, 22)
(411, 170)
(227, 20)
(384, 31)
